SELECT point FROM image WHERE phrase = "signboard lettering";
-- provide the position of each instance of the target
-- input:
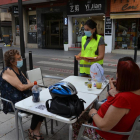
(86, 7)
(108, 26)
(127, 7)
(124, 6)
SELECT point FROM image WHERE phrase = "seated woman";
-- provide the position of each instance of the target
(118, 113)
(15, 87)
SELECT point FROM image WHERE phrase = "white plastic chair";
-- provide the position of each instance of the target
(36, 75)
(20, 116)
(97, 106)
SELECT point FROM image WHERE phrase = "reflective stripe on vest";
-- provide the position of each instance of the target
(84, 65)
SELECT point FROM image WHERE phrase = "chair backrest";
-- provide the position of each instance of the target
(35, 75)
(134, 128)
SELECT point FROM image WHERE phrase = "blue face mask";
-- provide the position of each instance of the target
(88, 33)
(19, 64)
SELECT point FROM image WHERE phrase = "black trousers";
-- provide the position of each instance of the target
(35, 120)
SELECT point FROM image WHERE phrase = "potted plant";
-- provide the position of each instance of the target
(66, 46)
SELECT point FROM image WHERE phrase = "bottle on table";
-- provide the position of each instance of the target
(36, 92)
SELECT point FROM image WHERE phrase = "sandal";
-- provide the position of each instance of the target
(29, 133)
(34, 137)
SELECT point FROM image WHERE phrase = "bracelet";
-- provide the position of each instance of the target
(93, 114)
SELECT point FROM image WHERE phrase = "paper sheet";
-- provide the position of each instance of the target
(40, 108)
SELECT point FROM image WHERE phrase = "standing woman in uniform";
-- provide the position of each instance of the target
(92, 50)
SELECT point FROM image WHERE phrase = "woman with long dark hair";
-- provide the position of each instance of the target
(92, 50)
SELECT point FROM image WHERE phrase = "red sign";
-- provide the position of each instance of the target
(4, 2)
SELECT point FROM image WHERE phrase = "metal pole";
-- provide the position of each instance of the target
(135, 53)
(75, 67)
(30, 60)
(22, 46)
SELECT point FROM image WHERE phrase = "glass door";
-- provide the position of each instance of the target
(54, 34)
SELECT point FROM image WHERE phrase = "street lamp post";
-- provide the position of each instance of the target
(22, 45)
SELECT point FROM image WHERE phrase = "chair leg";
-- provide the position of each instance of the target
(21, 128)
(16, 124)
(81, 132)
(56, 123)
(70, 132)
(45, 121)
(52, 126)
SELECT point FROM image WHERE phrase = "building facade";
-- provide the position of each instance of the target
(51, 24)
(5, 24)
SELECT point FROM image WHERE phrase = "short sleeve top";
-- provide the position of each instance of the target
(11, 93)
(127, 100)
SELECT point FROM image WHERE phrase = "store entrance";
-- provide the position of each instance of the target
(54, 32)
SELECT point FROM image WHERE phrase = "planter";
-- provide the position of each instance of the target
(66, 47)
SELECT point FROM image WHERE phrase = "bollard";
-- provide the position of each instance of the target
(135, 53)
(30, 60)
(75, 67)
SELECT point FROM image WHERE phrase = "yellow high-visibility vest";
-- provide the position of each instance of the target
(89, 52)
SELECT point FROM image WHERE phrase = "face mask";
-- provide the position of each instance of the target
(88, 33)
(19, 64)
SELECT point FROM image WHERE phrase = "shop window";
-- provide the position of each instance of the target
(32, 23)
(125, 33)
(78, 28)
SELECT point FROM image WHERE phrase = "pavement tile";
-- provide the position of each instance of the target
(12, 135)
(4, 117)
(62, 134)
(7, 126)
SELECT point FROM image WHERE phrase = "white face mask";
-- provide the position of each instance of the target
(19, 63)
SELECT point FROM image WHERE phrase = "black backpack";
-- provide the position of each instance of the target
(66, 106)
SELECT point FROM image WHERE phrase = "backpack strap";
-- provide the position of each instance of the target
(47, 104)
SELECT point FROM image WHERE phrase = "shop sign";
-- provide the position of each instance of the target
(15, 10)
(124, 5)
(86, 7)
(108, 26)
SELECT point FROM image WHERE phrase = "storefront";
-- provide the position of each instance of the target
(51, 30)
(78, 14)
(126, 23)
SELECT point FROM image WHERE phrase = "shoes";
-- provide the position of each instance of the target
(34, 137)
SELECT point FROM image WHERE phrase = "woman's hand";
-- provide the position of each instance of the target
(112, 82)
(113, 92)
(78, 57)
(92, 111)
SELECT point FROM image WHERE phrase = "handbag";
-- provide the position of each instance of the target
(66, 106)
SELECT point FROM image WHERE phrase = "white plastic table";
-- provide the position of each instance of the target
(29, 106)
(79, 83)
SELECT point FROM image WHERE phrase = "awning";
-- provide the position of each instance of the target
(125, 15)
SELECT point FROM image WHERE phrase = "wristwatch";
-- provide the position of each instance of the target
(93, 114)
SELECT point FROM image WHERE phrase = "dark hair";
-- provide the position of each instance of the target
(128, 76)
(91, 24)
(126, 59)
(9, 56)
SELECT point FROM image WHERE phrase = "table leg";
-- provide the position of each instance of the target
(70, 132)
(16, 123)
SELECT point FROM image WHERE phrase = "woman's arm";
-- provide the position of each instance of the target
(12, 79)
(28, 81)
(111, 118)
